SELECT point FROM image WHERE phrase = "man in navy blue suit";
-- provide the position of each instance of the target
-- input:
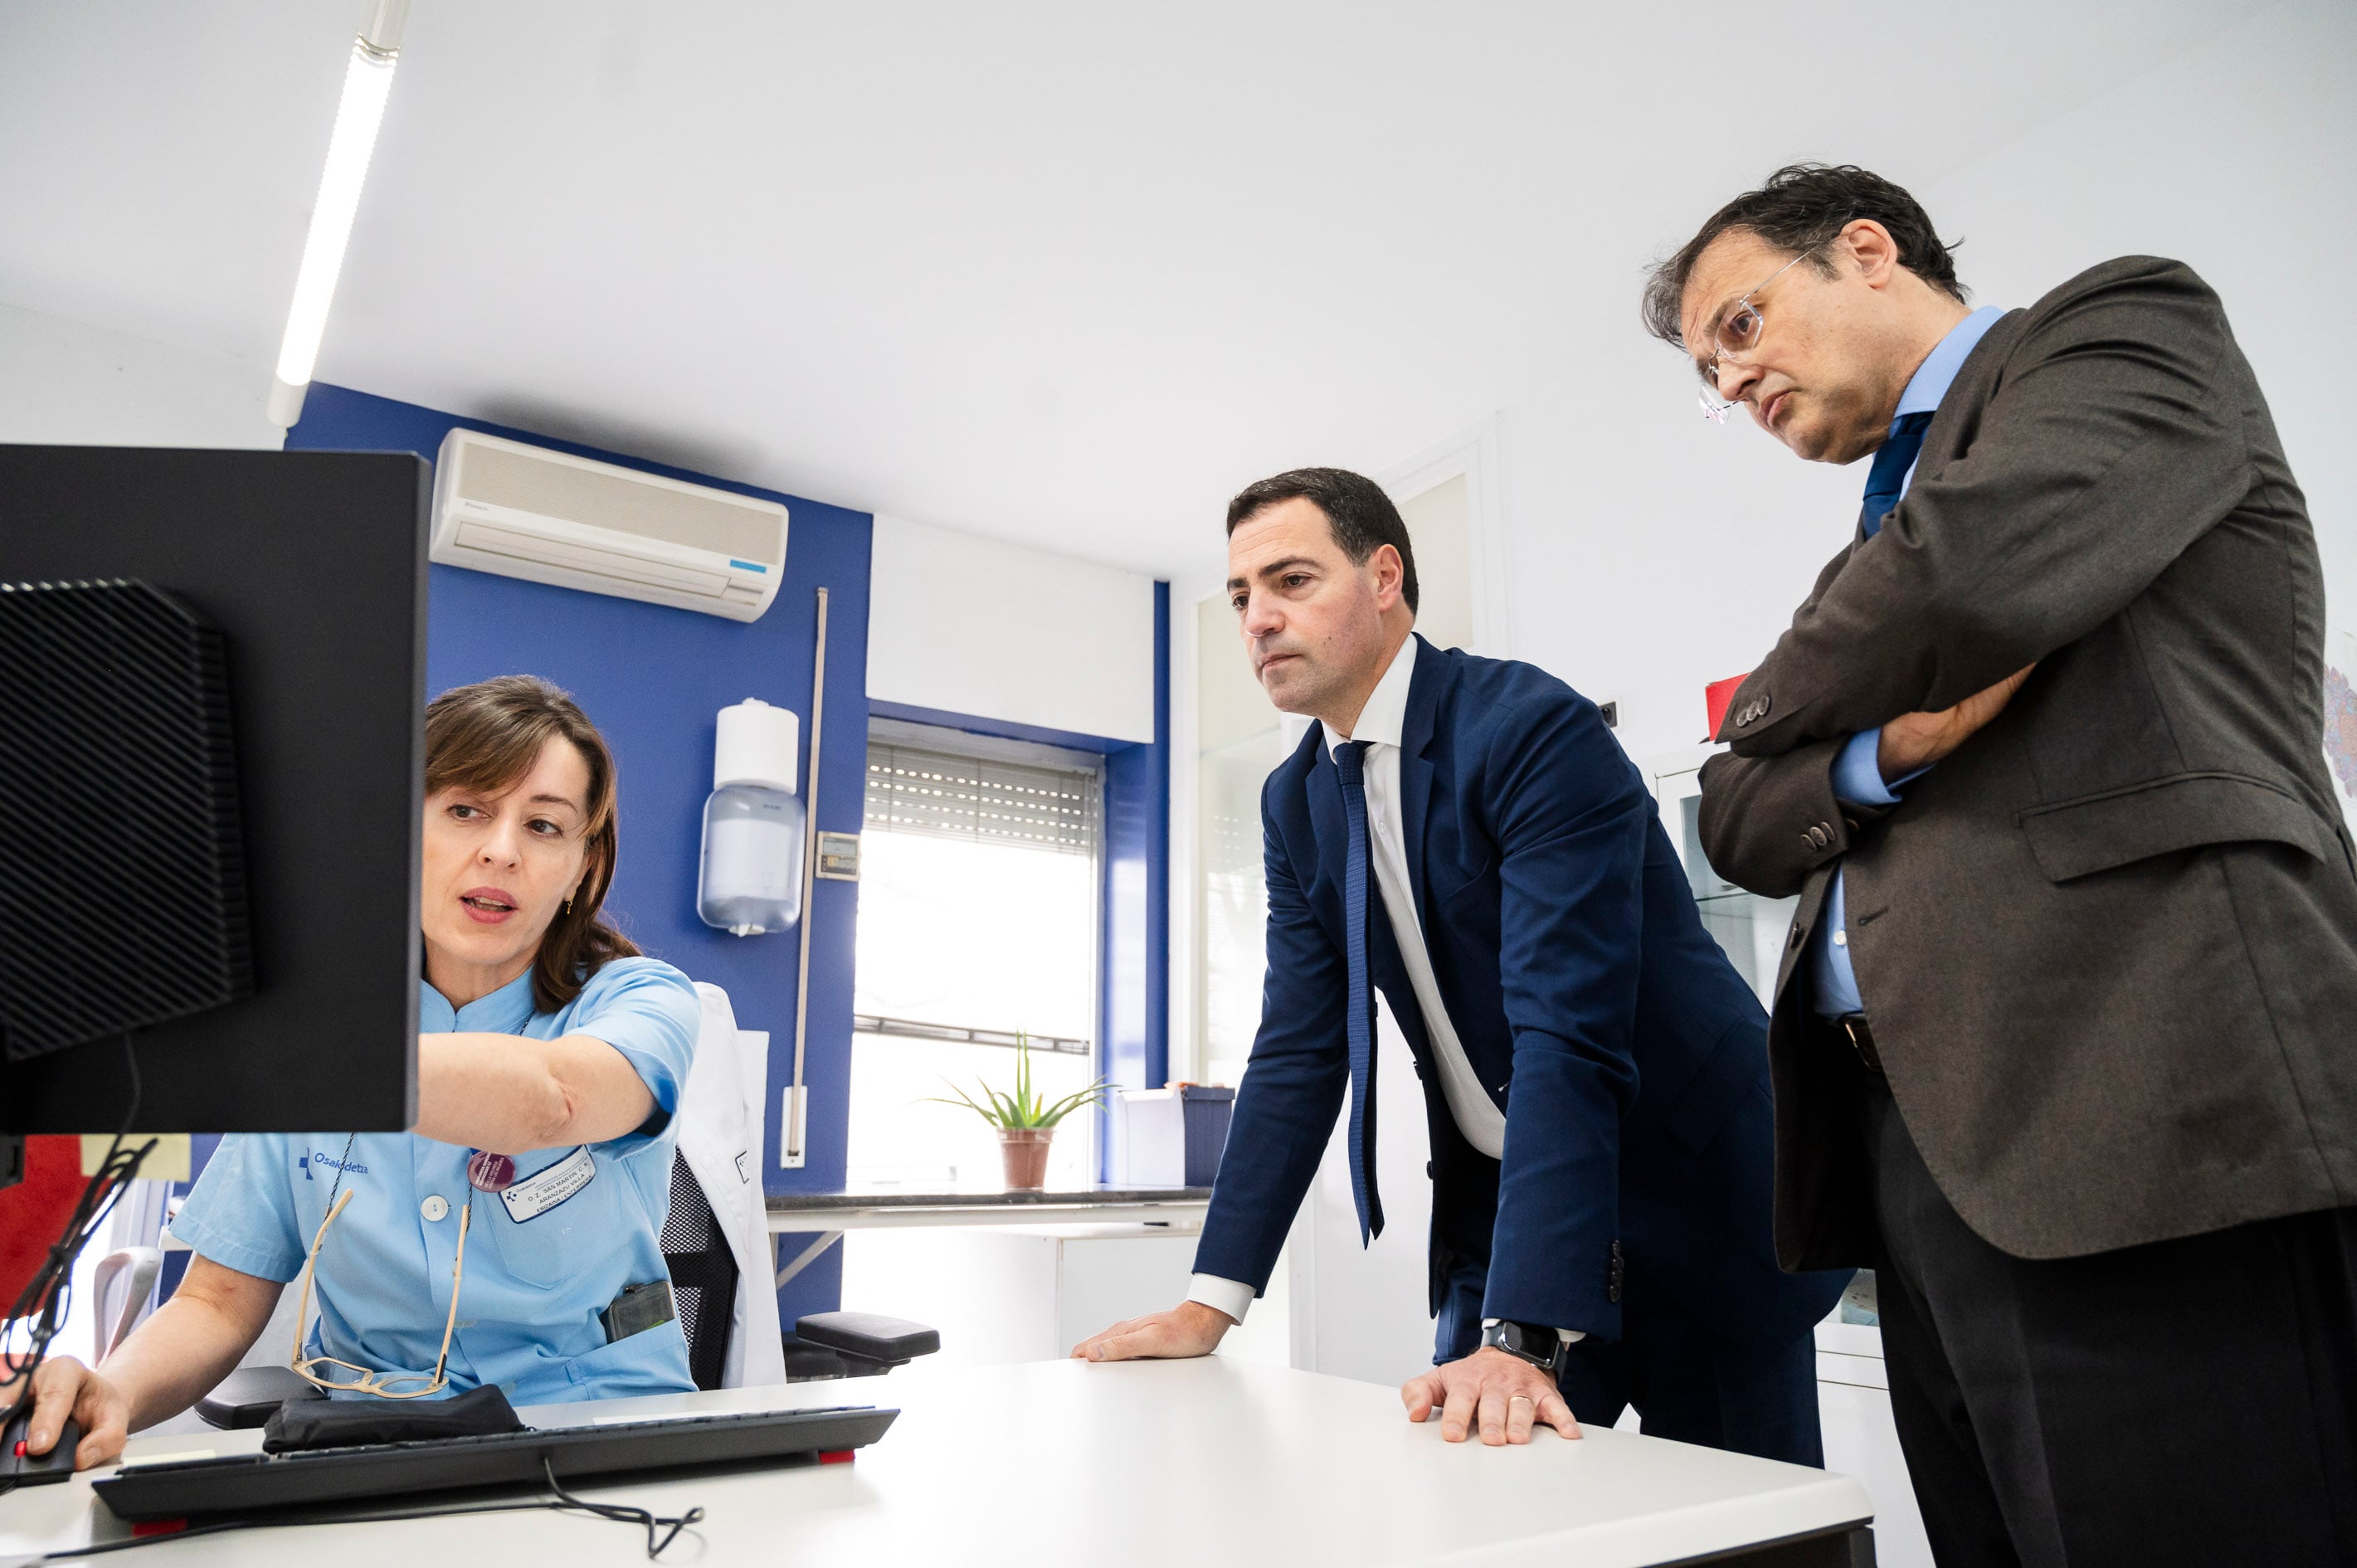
(1465, 835)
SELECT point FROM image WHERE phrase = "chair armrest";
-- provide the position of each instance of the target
(252, 1395)
(868, 1336)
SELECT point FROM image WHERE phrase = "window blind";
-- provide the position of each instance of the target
(918, 789)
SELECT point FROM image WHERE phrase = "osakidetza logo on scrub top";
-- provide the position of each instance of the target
(321, 1157)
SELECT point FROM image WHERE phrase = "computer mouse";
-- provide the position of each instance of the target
(20, 1468)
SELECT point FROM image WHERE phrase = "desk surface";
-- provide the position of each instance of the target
(1178, 1463)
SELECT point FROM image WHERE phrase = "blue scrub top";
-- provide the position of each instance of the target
(528, 1306)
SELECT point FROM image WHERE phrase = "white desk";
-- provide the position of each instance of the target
(1186, 1464)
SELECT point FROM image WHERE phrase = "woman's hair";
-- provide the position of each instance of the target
(486, 736)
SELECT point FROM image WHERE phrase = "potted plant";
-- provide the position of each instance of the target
(1025, 1120)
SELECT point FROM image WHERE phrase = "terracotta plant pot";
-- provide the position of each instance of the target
(1024, 1150)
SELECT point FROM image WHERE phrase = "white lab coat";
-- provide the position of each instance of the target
(720, 1138)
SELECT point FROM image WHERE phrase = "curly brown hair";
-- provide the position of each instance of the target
(486, 736)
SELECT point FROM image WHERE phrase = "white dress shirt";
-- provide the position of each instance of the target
(1469, 1106)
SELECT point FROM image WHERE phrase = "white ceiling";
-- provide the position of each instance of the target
(1066, 275)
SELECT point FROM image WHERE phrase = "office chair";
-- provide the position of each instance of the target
(704, 1292)
(703, 1275)
(123, 1281)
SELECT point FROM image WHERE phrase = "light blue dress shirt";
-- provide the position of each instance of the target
(1857, 776)
(529, 1302)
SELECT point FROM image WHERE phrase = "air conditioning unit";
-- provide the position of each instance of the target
(547, 517)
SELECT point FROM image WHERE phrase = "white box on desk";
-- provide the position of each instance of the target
(1149, 1138)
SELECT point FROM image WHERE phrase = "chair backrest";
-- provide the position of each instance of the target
(122, 1284)
(702, 1276)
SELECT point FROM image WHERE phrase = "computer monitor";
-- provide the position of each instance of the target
(311, 568)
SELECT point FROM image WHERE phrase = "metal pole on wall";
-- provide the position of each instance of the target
(790, 1154)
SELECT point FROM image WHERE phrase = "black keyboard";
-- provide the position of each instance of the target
(242, 1484)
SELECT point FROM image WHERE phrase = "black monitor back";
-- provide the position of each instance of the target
(311, 566)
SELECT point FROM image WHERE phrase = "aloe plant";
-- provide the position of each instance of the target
(1025, 1107)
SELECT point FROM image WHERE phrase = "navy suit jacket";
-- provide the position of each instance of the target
(1628, 1056)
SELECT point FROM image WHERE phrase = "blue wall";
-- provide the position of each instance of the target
(652, 678)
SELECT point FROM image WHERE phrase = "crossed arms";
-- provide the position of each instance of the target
(2110, 444)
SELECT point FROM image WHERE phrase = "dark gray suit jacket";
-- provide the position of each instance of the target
(2109, 946)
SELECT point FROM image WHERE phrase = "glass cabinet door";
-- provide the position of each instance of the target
(1749, 928)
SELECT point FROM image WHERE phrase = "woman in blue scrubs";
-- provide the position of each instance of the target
(550, 1060)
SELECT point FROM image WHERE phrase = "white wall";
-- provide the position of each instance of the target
(62, 383)
(1649, 551)
(972, 626)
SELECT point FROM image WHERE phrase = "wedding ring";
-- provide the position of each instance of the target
(1525, 1398)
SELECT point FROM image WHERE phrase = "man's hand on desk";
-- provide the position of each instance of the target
(1506, 1395)
(1190, 1328)
(1915, 741)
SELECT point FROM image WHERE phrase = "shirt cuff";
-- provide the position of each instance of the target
(1858, 771)
(1231, 1297)
(1566, 1335)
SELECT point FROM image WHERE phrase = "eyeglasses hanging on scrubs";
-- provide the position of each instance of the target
(1736, 334)
(391, 1386)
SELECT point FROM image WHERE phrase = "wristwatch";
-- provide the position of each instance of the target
(1541, 1348)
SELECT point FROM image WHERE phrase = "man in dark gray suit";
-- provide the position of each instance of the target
(2065, 1040)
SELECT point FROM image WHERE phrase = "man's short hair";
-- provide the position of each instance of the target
(1800, 210)
(1362, 517)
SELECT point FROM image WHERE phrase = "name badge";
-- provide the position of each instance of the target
(536, 1194)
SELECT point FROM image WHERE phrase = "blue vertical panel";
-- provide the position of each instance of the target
(1157, 855)
(1134, 995)
(653, 678)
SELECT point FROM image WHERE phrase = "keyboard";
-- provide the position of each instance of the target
(242, 1484)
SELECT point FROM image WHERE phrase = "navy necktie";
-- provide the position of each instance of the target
(1887, 480)
(1350, 762)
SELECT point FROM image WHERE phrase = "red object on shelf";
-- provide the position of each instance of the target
(34, 1212)
(1715, 698)
(836, 1456)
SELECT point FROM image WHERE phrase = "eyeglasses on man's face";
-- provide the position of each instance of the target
(1735, 335)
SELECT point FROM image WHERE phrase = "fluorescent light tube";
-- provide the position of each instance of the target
(367, 81)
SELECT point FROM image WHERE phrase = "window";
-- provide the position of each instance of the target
(1239, 739)
(978, 920)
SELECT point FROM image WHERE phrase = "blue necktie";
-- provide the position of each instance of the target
(1887, 480)
(1350, 762)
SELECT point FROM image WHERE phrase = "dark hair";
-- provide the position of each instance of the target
(1362, 517)
(1800, 210)
(486, 736)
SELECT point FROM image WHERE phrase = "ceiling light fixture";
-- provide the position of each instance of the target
(367, 81)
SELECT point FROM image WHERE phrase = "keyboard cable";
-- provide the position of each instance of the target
(564, 1502)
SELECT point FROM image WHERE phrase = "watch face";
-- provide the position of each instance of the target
(1509, 1337)
(1537, 1346)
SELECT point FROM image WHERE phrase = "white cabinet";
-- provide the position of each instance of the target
(1001, 1293)
(1854, 1406)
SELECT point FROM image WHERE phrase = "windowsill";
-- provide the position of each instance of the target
(905, 1197)
(888, 1207)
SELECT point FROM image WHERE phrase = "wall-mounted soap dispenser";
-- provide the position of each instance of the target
(751, 878)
